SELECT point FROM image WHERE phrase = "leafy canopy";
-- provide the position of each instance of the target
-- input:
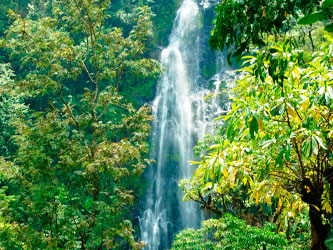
(239, 24)
(79, 157)
(276, 141)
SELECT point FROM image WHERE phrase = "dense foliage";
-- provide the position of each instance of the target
(81, 147)
(229, 232)
(273, 156)
(73, 75)
(238, 24)
(277, 139)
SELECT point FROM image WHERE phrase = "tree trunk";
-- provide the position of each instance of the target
(311, 194)
(319, 232)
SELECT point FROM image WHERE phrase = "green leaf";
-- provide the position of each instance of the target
(287, 153)
(254, 127)
(230, 131)
(312, 18)
(320, 141)
(330, 92)
(268, 143)
(195, 162)
(214, 147)
(327, 207)
(329, 28)
(88, 203)
(279, 158)
(212, 170)
(306, 148)
(315, 145)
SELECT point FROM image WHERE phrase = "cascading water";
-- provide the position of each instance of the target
(181, 117)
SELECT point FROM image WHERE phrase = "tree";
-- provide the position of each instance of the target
(277, 137)
(78, 159)
(238, 24)
(276, 142)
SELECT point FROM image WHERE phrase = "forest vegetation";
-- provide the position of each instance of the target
(73, 146)
(75, 77)
(272, 160)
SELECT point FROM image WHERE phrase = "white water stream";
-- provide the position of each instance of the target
(181, 118)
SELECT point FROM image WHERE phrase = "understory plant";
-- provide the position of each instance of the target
(229, 232)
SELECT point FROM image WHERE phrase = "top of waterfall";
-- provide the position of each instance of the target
(205, 4)
(186, 19)
(188, 10)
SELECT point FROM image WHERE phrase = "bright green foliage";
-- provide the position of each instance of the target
(70, 184)
(277, 139)
(242, 23)
(65, 192)
(275, 147)
(229, 233)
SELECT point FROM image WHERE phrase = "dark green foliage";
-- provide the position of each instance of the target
(329, 241)
(326, 12)
(165, 13)
(4, 6)
(7, 111)
(239, 24)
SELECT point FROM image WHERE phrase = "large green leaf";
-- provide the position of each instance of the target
(254, 127)
(312, 18)
(315, 146)
(320, 142)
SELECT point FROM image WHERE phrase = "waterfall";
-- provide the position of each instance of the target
(181, 118)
